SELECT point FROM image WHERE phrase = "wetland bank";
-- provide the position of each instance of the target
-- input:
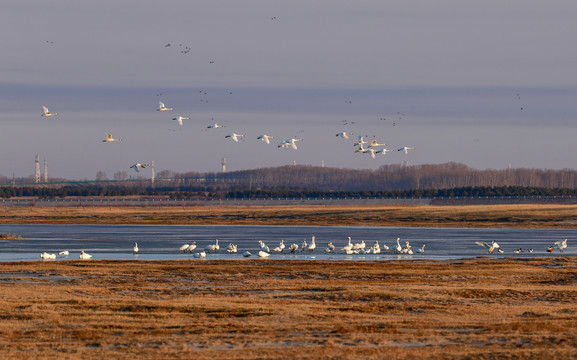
(481, 307)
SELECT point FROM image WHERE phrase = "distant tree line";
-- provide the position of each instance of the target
(217, 193)
(450, 179)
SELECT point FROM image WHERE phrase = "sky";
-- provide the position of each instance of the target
(488, 84)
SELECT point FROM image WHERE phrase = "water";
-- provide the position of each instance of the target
(159, 242)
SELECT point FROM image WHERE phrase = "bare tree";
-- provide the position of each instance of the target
(101, 175)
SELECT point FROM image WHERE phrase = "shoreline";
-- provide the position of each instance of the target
(471, 216)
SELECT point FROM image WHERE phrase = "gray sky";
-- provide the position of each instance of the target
(486, 83)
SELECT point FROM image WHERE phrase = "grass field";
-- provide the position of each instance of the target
(483, 308)
(475, 309)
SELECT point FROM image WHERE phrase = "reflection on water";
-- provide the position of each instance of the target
(163, 242)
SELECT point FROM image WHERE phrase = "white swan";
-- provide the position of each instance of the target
(280, 247)
(360, 149)
(191, 247)
(212, 247)
(109, 138)
(359, 246)
(561, 244)
(263, 246)
(135, 248)
(349, 246)
(234, 136)
(398, 248)
(374, 143)
(85, 256)
(372, 152)
(46, 112)
(330, 248)
(64, 253)
(184, 247)
(290, 142)
(491, 247)
(246, 254)
(265, 138)
(46, 256)
(383, 151)
(263, 254)
(360, 141)
(421, 249)
(231, 248)
(293, 248)
(344, 135)
(199, 255)
(161, 107)
(312, 245)
(406, 149)
(138, 166)
(179, 119)
(304, 245)
(215, 126)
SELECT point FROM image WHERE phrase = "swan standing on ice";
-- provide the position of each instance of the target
(64, 253)
(406, 149)
(561, 244)
(184, 247)
(398, 248)
(265, 138)
(135, 248)
(491, 247)
(349, 246)
(213, 247)
(234, 136)
(138, 166)
(293, 248)
(179, 119)
(85, 256)
(109, 138)
(231, 248)
(312, 245)
(280, 247)
(46, 112)
(46, 256)
(330, 248)
(263, 246)
(421, 249)
(161, 107)
(263, 254)
(191, 246)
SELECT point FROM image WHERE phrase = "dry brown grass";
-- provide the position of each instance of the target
(480, 308)
(526, 216)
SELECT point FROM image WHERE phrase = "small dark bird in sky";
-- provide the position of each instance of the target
(167, 45)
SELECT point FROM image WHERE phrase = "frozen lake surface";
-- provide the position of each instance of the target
(159, 242)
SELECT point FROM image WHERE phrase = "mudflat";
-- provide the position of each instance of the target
(523, 216)
(479, 308)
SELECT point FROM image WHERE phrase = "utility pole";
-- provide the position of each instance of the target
(152, 168)
(45, 170)
(37, 162)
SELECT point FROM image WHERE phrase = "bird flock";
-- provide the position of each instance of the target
(310, 247)
(372, 147)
